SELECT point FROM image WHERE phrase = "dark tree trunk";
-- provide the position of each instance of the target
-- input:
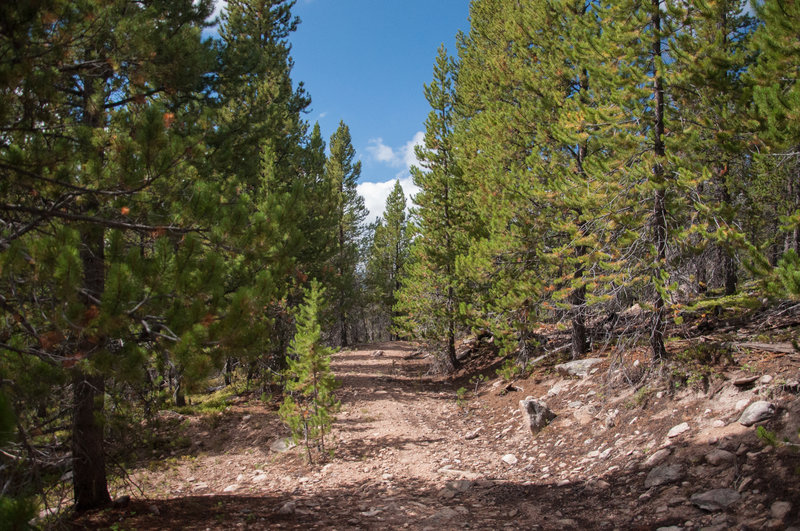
(731, 273)
(659, 200)
(451, 329)
(580, 343)
(227, 371)
(88, 454)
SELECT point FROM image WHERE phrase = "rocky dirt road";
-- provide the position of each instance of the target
(410, 454)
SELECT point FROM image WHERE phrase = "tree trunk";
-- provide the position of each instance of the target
(731, 273)
(580, 344)
(659, 200)
(451, 329)
(88, 454)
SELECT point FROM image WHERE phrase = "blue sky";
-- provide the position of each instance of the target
(364, 62)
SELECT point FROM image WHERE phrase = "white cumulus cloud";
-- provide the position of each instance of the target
(375, 195)
(381, 152)
(397, 157)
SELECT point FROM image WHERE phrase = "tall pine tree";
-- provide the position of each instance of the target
(429, 300)
(347, 215)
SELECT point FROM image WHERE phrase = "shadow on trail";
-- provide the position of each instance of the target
(620, 500)
(358, 450)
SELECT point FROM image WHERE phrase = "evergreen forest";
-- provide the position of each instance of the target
(170, 221)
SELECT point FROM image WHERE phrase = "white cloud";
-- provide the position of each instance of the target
(400, 157)
(381, 152)
(409, 157)
(323, 115)
(375, 195)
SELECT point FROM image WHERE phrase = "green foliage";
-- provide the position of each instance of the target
(786, 277)
(769, 438)
(309, 406)
(477, 380)
(15, 513)
(509, 370)
(461, 395)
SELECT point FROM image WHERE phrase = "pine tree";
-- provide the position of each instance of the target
(388, 254)
(711, 99)
(266, 170)
(347, 215)
(108, 255)
(310, 407)
(776, 93)
(429, 299)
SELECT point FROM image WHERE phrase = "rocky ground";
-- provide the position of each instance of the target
(411, 451)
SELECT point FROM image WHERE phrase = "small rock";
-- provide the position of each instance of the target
(377, 354)
(472, 434)
(372, 512)
(154, 510)
(766, 379)
(387, 477)
(288, 508)
(718, 424)
(575, 404)
(717, 457)
(716, 499)
(460, 485)
(246, 418)
(757, 412)
(745, 483)
(679, 429)
(744, 381)
(510, 459)
(563, 483)
(741, 404)
(580, 368)
(657, 458)
(663, 474)
(780, 509)
(536, 415)
(444, 514)
(230, 488)
(281, 445)
(447, 494)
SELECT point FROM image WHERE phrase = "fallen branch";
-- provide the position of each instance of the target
(785, 348)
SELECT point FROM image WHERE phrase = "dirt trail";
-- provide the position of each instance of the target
(408, 454)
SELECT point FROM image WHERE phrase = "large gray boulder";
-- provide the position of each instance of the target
(757, 412)
(535, 414)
